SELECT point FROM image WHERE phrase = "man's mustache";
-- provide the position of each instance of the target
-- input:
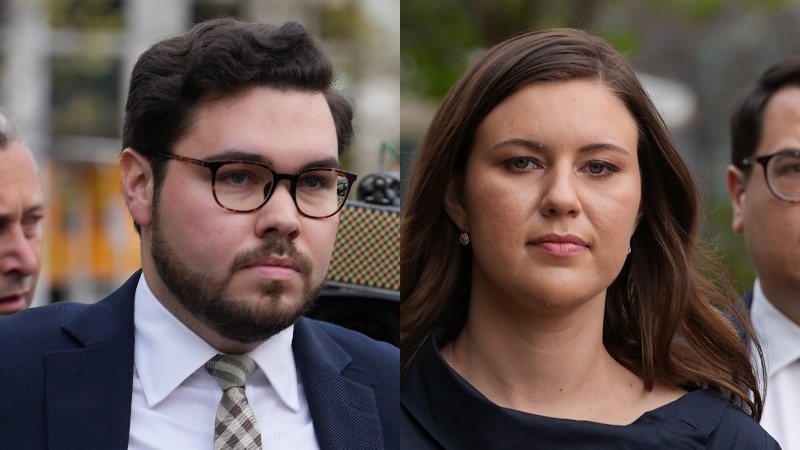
(272, 247)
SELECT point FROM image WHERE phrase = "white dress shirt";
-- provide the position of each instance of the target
(780, 342)
(175, 399)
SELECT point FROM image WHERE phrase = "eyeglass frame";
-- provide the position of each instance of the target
(764, 160)
(214, 166)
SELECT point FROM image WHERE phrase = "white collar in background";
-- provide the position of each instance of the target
(779, 335)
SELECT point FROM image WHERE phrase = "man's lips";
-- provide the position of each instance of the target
(10, 304)
(277, 268)
(13, 297)
(277, 262)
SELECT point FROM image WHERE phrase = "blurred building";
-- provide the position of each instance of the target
(64, 68)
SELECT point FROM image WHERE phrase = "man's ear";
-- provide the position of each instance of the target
(736, 190)
(137, 185)
(454, 204)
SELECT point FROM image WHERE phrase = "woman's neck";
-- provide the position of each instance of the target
(553, 366)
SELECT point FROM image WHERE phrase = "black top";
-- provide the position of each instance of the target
(442, 411)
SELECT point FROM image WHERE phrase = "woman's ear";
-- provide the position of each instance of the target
(137, 185)
(454, 204)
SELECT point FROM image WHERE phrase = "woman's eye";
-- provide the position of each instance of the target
(596, 167)
(601, 168)
(522, 164)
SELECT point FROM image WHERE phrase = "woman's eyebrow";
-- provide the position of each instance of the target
(536, 145)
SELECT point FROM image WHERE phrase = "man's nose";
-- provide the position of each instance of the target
(17, 253)
(280, 214)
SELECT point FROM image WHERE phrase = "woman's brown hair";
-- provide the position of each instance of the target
(672, 315)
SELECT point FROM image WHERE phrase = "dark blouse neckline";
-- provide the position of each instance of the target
(441, 401)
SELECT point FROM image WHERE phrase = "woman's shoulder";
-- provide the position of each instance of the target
(738, 430)
(723, 424)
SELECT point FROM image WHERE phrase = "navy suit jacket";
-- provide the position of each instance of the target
(66, 377)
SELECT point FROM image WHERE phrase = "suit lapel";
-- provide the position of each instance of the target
(344, 412)
(89, 387)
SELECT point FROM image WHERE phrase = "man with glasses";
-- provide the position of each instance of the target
(230, 171)
(21, 214)
(764, 186)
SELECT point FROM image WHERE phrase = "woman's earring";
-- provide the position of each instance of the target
(463, 239)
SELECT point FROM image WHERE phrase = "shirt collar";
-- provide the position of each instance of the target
(777, 333)
(166, 353)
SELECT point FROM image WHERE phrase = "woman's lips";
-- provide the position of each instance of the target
(560, 245)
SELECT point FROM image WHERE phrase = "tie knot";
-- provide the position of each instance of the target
(230, 370)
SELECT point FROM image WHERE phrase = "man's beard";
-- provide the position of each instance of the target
(242, 320)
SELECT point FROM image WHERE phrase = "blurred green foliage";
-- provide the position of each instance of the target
(439, 38)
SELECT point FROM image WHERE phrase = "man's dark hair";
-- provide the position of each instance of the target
(214, 59)
(748, 115)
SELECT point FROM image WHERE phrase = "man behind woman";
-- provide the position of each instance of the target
(766, 211)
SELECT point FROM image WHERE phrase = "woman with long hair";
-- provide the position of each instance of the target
(553, 290)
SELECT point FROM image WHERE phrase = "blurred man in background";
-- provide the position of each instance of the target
(764, 186)
(21, 214)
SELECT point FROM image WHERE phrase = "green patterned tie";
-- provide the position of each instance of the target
(235, 427)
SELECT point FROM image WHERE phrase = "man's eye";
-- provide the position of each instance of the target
(236, 178)
(31, 225)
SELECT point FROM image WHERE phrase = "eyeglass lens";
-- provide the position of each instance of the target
(783, 175)
(242, 187)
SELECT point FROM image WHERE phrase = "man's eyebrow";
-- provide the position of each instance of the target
(239, 155)
(7, 217)
(36, 208)
(327, 163)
